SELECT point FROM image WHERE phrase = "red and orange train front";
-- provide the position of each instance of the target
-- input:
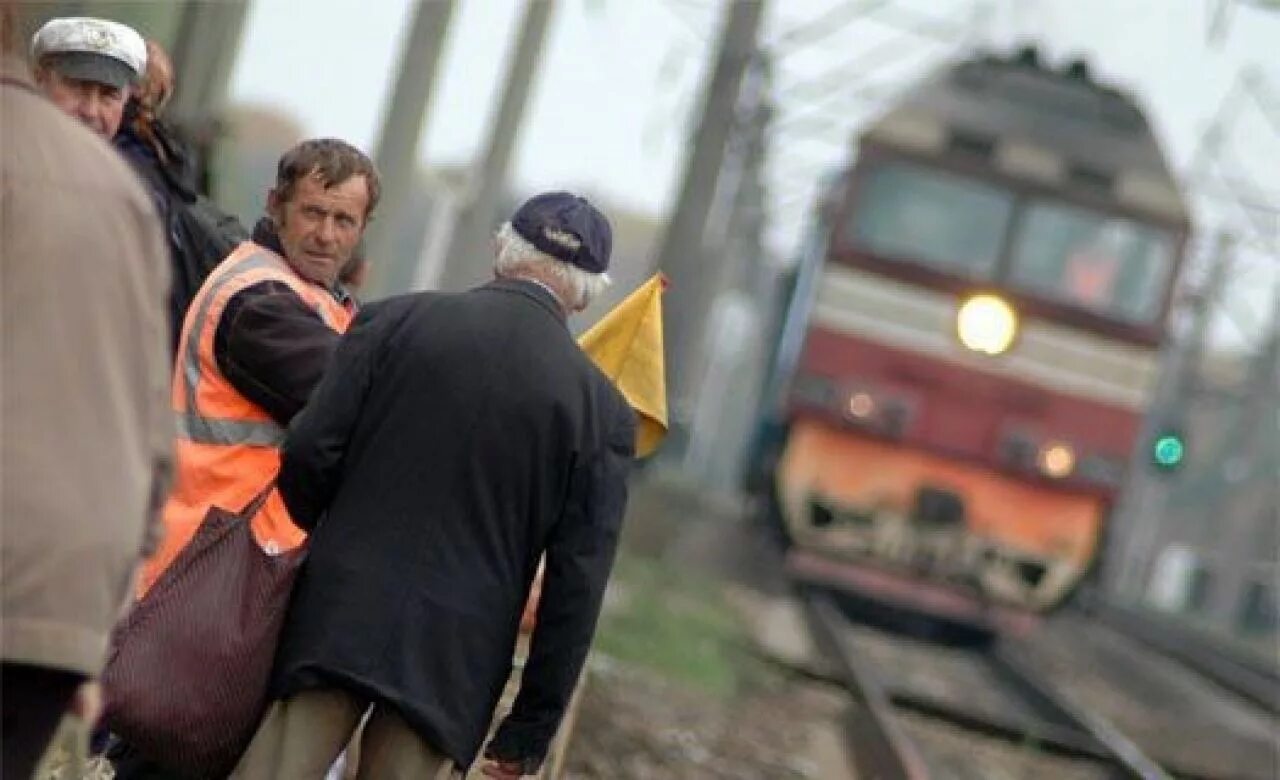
(981, 329)
(913, 450)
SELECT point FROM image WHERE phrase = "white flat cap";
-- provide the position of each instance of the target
(91, 49)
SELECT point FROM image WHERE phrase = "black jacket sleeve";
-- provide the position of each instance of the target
(273, 348)
(579, 558)
(311, 457)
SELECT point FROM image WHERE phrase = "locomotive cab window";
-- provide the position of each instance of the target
(1109, 265)
(927, 216)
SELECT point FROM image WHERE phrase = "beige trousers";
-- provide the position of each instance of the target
(300, 738)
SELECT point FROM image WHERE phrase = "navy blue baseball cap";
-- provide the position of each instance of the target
(568, 228)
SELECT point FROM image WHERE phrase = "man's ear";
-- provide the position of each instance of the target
(275, 206)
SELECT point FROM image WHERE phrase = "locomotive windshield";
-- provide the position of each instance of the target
(1110, 265)
(966, 227)
(912, 213)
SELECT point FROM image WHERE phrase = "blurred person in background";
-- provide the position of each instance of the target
(200, 235)
(88, 68)
(456, 439)
(86, 430)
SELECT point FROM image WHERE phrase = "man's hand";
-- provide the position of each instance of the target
(87, 703)
(502, 770)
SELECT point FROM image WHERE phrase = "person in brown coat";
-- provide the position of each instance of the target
(85, 429)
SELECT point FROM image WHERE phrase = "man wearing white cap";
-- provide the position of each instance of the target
(86, 67)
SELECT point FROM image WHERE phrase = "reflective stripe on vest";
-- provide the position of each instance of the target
(208, 430)
(227, 447)
(328, 320)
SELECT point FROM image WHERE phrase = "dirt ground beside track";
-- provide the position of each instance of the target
(641, 721)
(638, 726)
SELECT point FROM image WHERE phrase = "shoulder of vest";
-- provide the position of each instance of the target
(258, 263)
(252, 263)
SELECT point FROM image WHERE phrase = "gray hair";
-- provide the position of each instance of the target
(516, 257)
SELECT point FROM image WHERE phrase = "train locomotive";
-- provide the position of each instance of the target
(970, 341)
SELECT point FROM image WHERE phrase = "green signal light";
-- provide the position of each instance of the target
(1169, 450)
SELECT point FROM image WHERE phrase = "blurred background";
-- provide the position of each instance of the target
(709, 131)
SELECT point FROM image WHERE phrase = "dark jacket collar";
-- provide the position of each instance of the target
(534, 292)
(160, 149)
(264, 235)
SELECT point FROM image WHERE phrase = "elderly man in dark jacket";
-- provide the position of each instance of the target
(455, 439)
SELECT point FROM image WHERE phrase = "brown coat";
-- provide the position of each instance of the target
(85, 429)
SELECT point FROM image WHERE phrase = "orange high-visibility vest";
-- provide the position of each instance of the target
(227, 447)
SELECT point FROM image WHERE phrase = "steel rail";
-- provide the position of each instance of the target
(1048, 737)
(1124, 751)
(1252, 681)
(881, 749)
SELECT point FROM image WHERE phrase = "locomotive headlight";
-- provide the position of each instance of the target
(986, 324)
(861, 405)
(1057, 460)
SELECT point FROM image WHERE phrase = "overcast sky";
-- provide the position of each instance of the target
(612, 106)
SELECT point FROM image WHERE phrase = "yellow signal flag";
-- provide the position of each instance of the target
(626, 344)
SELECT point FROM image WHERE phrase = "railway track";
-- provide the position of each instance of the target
(1193, 726)
(925, 710)
(1249, 678)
